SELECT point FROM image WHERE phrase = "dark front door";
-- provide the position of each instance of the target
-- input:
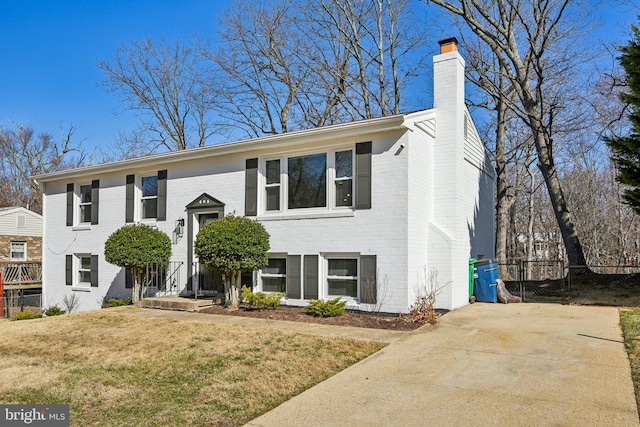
(210, 282)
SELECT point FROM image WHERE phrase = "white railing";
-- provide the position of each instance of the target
(16, 273)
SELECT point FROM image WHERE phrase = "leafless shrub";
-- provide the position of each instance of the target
(70, 302)
(424, 309)
(379, 293)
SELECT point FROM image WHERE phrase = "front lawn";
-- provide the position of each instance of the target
(119, 370)
(630, 322)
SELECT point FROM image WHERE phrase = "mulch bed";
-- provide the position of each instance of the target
(405, 322)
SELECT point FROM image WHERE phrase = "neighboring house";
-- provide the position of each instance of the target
(366, 210)
(20, 235)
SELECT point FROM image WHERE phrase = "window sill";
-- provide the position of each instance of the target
(347, 213)
(81, 288)
(81, 227)
(151, 222)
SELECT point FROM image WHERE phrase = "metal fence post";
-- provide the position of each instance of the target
(1, 295)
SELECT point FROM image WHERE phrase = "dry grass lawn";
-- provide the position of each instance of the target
(630, 322)
(119, 370)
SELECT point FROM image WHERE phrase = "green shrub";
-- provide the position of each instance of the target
(329, 308)
(25, 315)
(117, 302)
(260, 300)
(54, 311)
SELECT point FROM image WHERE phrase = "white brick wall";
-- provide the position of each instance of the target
(431, 209)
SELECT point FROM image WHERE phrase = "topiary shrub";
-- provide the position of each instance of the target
(331, 308)
(260, 300)
(118, 302)
(231, 245)
(133, 247)
(26, 315)
(54, 311)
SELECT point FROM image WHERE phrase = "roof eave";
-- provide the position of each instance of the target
(350, 129)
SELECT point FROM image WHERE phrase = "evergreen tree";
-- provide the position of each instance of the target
(626, 149)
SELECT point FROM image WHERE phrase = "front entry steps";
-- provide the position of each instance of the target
(174, 302)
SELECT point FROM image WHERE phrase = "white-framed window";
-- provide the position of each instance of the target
(84, 269)
(149, 200)
(315, 180)
(272, 185)
(342, 276)
(307, 181)
(343, 180)
(84, 206)
(274, 275)
(18, 251)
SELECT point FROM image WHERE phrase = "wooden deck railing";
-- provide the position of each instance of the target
(16, 273)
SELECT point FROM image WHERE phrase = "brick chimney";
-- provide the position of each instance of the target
(450, 189)
(450, 44)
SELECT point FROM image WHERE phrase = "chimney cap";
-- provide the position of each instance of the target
(449, 44)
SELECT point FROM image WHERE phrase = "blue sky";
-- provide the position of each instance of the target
(49, 50)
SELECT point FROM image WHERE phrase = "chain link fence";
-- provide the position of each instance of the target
(16, 301)
(555, 282)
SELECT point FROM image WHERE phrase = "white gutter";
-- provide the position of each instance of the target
(350, 129)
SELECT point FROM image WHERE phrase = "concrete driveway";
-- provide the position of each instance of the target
(483, 365)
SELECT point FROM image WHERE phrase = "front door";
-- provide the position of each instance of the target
(210, 282)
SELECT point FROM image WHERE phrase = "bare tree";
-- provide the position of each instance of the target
(530, 38)
(24, 154)
(164, 83)
(289, 65)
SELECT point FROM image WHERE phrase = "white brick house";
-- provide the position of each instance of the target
(378, 202)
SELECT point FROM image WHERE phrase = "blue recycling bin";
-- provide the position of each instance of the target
(485, 287)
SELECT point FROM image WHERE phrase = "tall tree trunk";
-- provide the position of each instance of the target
(506, 26)
(530, 221)
(502, 205)
(572, 245)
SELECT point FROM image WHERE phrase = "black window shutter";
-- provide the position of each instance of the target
(311, 277)
(128, 279)
(69, 270)
(368, 280)
(293, 277)
(95, 196)
(94, 270)
(363, 175)
(69, 204)
(251, 188)
(131, 179)
(162, 195)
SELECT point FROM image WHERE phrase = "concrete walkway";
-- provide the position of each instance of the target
(483, 365)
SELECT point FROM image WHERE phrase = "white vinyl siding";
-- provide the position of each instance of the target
(11, 224)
